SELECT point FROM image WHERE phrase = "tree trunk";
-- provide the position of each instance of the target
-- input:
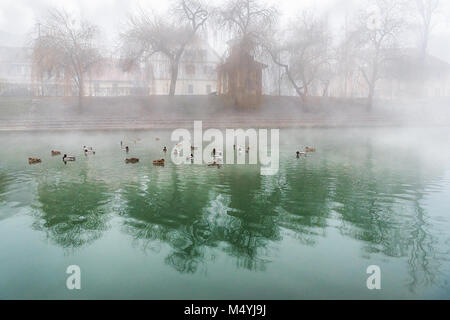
(173, 76)
(370, 97)
(80, 91)
(372, 83)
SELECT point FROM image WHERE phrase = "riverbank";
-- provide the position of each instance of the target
(162, 112)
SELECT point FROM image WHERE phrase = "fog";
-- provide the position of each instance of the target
(18, 17)
(310, 63)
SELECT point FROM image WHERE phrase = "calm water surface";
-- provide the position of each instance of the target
(367, 197)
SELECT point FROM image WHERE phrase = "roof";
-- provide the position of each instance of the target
(15, 55)
(407, 64)
(239, 58)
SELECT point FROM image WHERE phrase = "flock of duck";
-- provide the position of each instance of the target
(90, 150)
(217, 155)
(65, 158)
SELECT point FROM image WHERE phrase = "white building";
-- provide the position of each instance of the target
(15, 71)
(197, 74)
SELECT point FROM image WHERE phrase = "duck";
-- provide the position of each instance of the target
(299, 154)
(56, 153)
(34, 160)
(308, 149)
(165, 149)
(214, 164)
(127, 149)
(68, 158)
(132, 160)
(159, 162)
(88, 150)
(218, 156)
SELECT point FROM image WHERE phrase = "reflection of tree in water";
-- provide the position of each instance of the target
(305, 202)
(382, 209)
(171, 214)
(4, 183)
(176, 215)
(423, 261)
(251, 221)
(71, 212)
(371, 196)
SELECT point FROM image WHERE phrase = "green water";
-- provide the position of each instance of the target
(367, 197)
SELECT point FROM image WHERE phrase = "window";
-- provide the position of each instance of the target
(190, 89)
(208, 70)
(190, 69)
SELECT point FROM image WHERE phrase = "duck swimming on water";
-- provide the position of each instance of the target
(68, 158)
(88, 150)
(34, 160)
(159, 162)
(132, 160)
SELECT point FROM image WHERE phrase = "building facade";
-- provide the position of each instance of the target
(15, 71)
(197, 72)
(197, 75)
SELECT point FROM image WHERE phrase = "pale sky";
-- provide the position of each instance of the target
(17, 17)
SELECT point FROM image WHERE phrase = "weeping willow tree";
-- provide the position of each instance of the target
(65, 48)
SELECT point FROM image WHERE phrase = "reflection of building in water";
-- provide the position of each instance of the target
(15, 71)
(240, 77)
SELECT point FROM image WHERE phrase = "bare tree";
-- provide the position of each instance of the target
(250, 22)
(152, 33)
(376, 36)
(66, 45)
(427, 11)
(303, 51)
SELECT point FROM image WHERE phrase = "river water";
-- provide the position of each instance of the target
(366, 197)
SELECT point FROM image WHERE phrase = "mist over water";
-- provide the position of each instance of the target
(367, 196)
(360, 94)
